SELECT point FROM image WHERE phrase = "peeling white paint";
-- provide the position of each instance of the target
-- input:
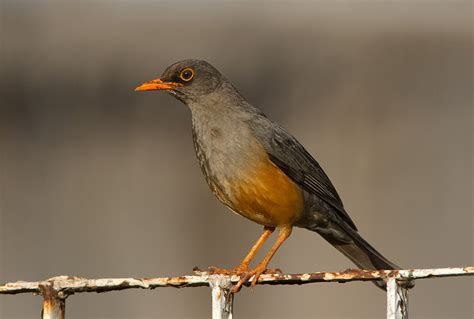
(222, 298)
(78, 285)
(329, 276)
(397, 300)
(305, 277)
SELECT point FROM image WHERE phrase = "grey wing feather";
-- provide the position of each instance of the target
(293, 159)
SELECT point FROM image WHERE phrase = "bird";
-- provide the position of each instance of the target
(260, 171)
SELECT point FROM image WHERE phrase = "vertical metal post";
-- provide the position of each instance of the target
(222, 298)
(53, 306)
(397, 300)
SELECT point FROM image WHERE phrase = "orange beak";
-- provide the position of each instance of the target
(157, 84)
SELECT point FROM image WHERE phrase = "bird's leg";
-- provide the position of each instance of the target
(284, 233)
(244, 265)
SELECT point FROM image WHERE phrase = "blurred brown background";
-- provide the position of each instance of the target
(99, 181)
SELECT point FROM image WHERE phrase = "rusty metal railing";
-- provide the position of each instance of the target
(55, 290)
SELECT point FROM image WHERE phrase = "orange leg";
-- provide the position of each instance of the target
(244, 265)
(284, 233)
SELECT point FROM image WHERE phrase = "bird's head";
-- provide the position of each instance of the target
(187, 80)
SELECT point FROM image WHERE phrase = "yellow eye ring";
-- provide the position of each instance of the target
(187, 74)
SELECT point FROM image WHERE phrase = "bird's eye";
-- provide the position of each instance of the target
(186, 74)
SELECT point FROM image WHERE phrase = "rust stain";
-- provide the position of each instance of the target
(53, 305)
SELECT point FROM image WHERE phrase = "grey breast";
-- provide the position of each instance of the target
(225, 145)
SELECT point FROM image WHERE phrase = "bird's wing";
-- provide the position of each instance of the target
(293, 159)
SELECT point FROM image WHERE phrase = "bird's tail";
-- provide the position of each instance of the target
(353, 246)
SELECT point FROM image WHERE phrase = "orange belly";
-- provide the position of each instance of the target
(267, 196)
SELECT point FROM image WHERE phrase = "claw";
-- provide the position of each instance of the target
(256, 276)
(243, 279)
(255, 273)
(244, 273)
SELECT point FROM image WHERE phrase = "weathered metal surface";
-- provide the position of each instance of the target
(56, 290)
(66, 285)
(53, 306)
(397, 300)
(436, 272)
(222, 298)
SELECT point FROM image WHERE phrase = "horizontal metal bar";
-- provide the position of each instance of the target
(66, 285)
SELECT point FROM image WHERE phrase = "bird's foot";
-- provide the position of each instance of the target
(243, 272)
(255, 273)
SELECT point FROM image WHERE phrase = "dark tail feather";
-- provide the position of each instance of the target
(353, 246)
